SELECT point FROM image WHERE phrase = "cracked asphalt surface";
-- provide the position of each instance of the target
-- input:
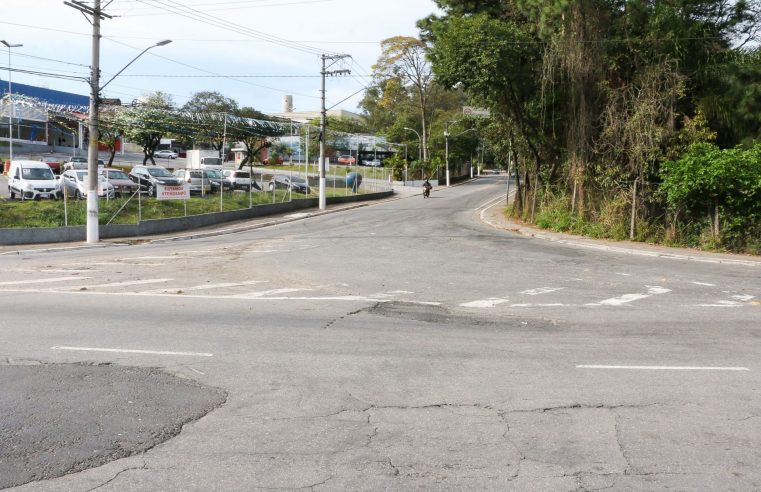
(406, 345)
(64, 418)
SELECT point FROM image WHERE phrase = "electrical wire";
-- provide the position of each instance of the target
(213, 73)
(258, 6)
(190, 13)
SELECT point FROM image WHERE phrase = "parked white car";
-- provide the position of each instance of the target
(75, 184)
(32, 180)
(241, 180)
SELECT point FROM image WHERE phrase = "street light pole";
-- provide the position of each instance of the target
(10, 95)
(446, 149)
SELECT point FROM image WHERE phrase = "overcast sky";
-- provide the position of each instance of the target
(209, 38)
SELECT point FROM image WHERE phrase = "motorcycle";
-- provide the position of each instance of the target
(426, 192)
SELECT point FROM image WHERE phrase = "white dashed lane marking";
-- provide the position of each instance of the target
(665, 368)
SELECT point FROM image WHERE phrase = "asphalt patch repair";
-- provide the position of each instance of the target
(64, 418)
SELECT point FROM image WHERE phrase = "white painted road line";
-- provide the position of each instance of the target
(627, 298)
(486, 303)
(130, 351)
(264, 293)
(43, 280)
(125, 284)
(705, 284)
(206, 287)
(665, 368)
(541, 290)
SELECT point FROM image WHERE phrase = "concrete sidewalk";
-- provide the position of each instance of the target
(494, 216)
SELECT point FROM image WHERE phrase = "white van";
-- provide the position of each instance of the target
(32, 180)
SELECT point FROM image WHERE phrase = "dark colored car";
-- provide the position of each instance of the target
(148, 177)
(295, 183)
(218, 180)
(122, 184)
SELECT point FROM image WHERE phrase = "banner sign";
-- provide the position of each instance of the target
(181, 192)
(471, 111)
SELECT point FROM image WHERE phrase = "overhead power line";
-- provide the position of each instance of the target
(243, 81)
(197, 15)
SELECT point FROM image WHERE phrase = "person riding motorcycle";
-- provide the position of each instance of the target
(427, 188)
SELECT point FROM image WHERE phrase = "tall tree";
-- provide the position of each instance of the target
(404, 58)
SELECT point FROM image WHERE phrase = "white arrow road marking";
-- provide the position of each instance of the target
(541, 290)
(627, 298)
(486, 303)
(743, 297)
(665, 368)
(43, 280)
(130, 351)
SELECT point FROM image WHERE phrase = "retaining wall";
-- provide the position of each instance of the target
(163, 226)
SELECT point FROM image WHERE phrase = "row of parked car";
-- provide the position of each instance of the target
(34, 180)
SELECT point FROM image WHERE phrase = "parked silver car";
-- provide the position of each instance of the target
(75, 184)
(196, 178)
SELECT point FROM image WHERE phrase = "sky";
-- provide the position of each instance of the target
(253, 51)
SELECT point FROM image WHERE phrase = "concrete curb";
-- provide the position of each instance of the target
(598, 245)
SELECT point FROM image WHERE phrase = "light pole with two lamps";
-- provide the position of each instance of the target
(419, 148)
(10, 95)
(93, 232)
(446, 144)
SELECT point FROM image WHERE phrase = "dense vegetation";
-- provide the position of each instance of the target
(623, 119)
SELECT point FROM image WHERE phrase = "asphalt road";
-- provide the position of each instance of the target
(407, 345)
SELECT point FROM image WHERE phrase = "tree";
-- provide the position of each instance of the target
(404, 58)
(214, 106)
(147, 123)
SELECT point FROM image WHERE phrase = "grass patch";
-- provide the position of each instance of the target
(48, 213)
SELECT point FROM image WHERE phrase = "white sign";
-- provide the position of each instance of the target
(471, 111)
(327, 163)
(181, 192)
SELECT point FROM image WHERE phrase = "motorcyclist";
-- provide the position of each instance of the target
(427, 187)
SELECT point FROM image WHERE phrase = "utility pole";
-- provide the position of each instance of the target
(92, 151)
(324, 120)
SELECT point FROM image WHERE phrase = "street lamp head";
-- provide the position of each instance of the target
(164, 42)
(9, 45)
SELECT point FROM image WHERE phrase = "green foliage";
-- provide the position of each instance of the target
(708, 179)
